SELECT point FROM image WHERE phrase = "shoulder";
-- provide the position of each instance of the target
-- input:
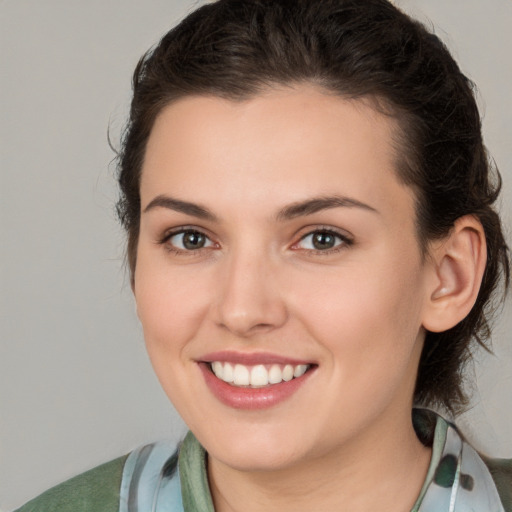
(501, 471)
(96, 490)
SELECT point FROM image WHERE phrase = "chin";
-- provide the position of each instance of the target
(254, 459)
(260, 450)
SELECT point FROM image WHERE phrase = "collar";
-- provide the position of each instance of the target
(157, 478)
(457, 479)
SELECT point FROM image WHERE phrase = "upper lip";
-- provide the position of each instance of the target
(250, 358)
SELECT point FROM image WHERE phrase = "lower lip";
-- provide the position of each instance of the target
(251, 398)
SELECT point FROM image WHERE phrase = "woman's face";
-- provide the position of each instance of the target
(275, 240)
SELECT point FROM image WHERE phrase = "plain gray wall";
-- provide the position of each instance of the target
(76, 386)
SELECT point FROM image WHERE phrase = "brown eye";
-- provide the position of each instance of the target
(189, 240)
(323, 240)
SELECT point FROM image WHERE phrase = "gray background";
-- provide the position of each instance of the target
(76, 388)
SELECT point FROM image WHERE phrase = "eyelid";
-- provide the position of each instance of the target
(169, 233)
(346, 239)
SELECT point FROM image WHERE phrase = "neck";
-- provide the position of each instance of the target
(383, 469)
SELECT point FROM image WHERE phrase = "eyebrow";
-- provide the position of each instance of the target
(317, 204)
(292, 211)
(178, 205)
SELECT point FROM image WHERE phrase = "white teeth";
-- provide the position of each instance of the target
(217, 369)
(240, 375)
(227, 374)
(275, 375)
(258, 375)
(288, 372)
(299, 370)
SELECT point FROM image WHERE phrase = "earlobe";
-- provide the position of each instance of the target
(458, 267)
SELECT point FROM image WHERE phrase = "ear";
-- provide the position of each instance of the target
(458, 264)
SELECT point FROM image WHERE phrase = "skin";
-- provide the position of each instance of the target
(357, 312)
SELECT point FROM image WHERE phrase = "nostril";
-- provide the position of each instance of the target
(247, 329)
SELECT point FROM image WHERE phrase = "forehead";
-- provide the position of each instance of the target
(300, 141)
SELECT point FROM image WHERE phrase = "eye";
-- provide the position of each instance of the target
(323, 240)
(188, 240)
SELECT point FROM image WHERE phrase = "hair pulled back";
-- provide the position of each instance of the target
(356, 49)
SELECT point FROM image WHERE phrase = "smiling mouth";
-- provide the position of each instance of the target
(257, 376)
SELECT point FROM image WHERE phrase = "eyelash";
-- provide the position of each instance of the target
(345, 241)
(181, 231)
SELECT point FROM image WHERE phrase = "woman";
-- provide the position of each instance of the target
(312, 247)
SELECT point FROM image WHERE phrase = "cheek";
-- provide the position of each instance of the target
(169, 304)
(367, 316)
(169, 308)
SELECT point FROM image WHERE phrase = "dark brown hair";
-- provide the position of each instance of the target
(357, 49)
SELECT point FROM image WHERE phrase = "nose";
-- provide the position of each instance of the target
(250, 299)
